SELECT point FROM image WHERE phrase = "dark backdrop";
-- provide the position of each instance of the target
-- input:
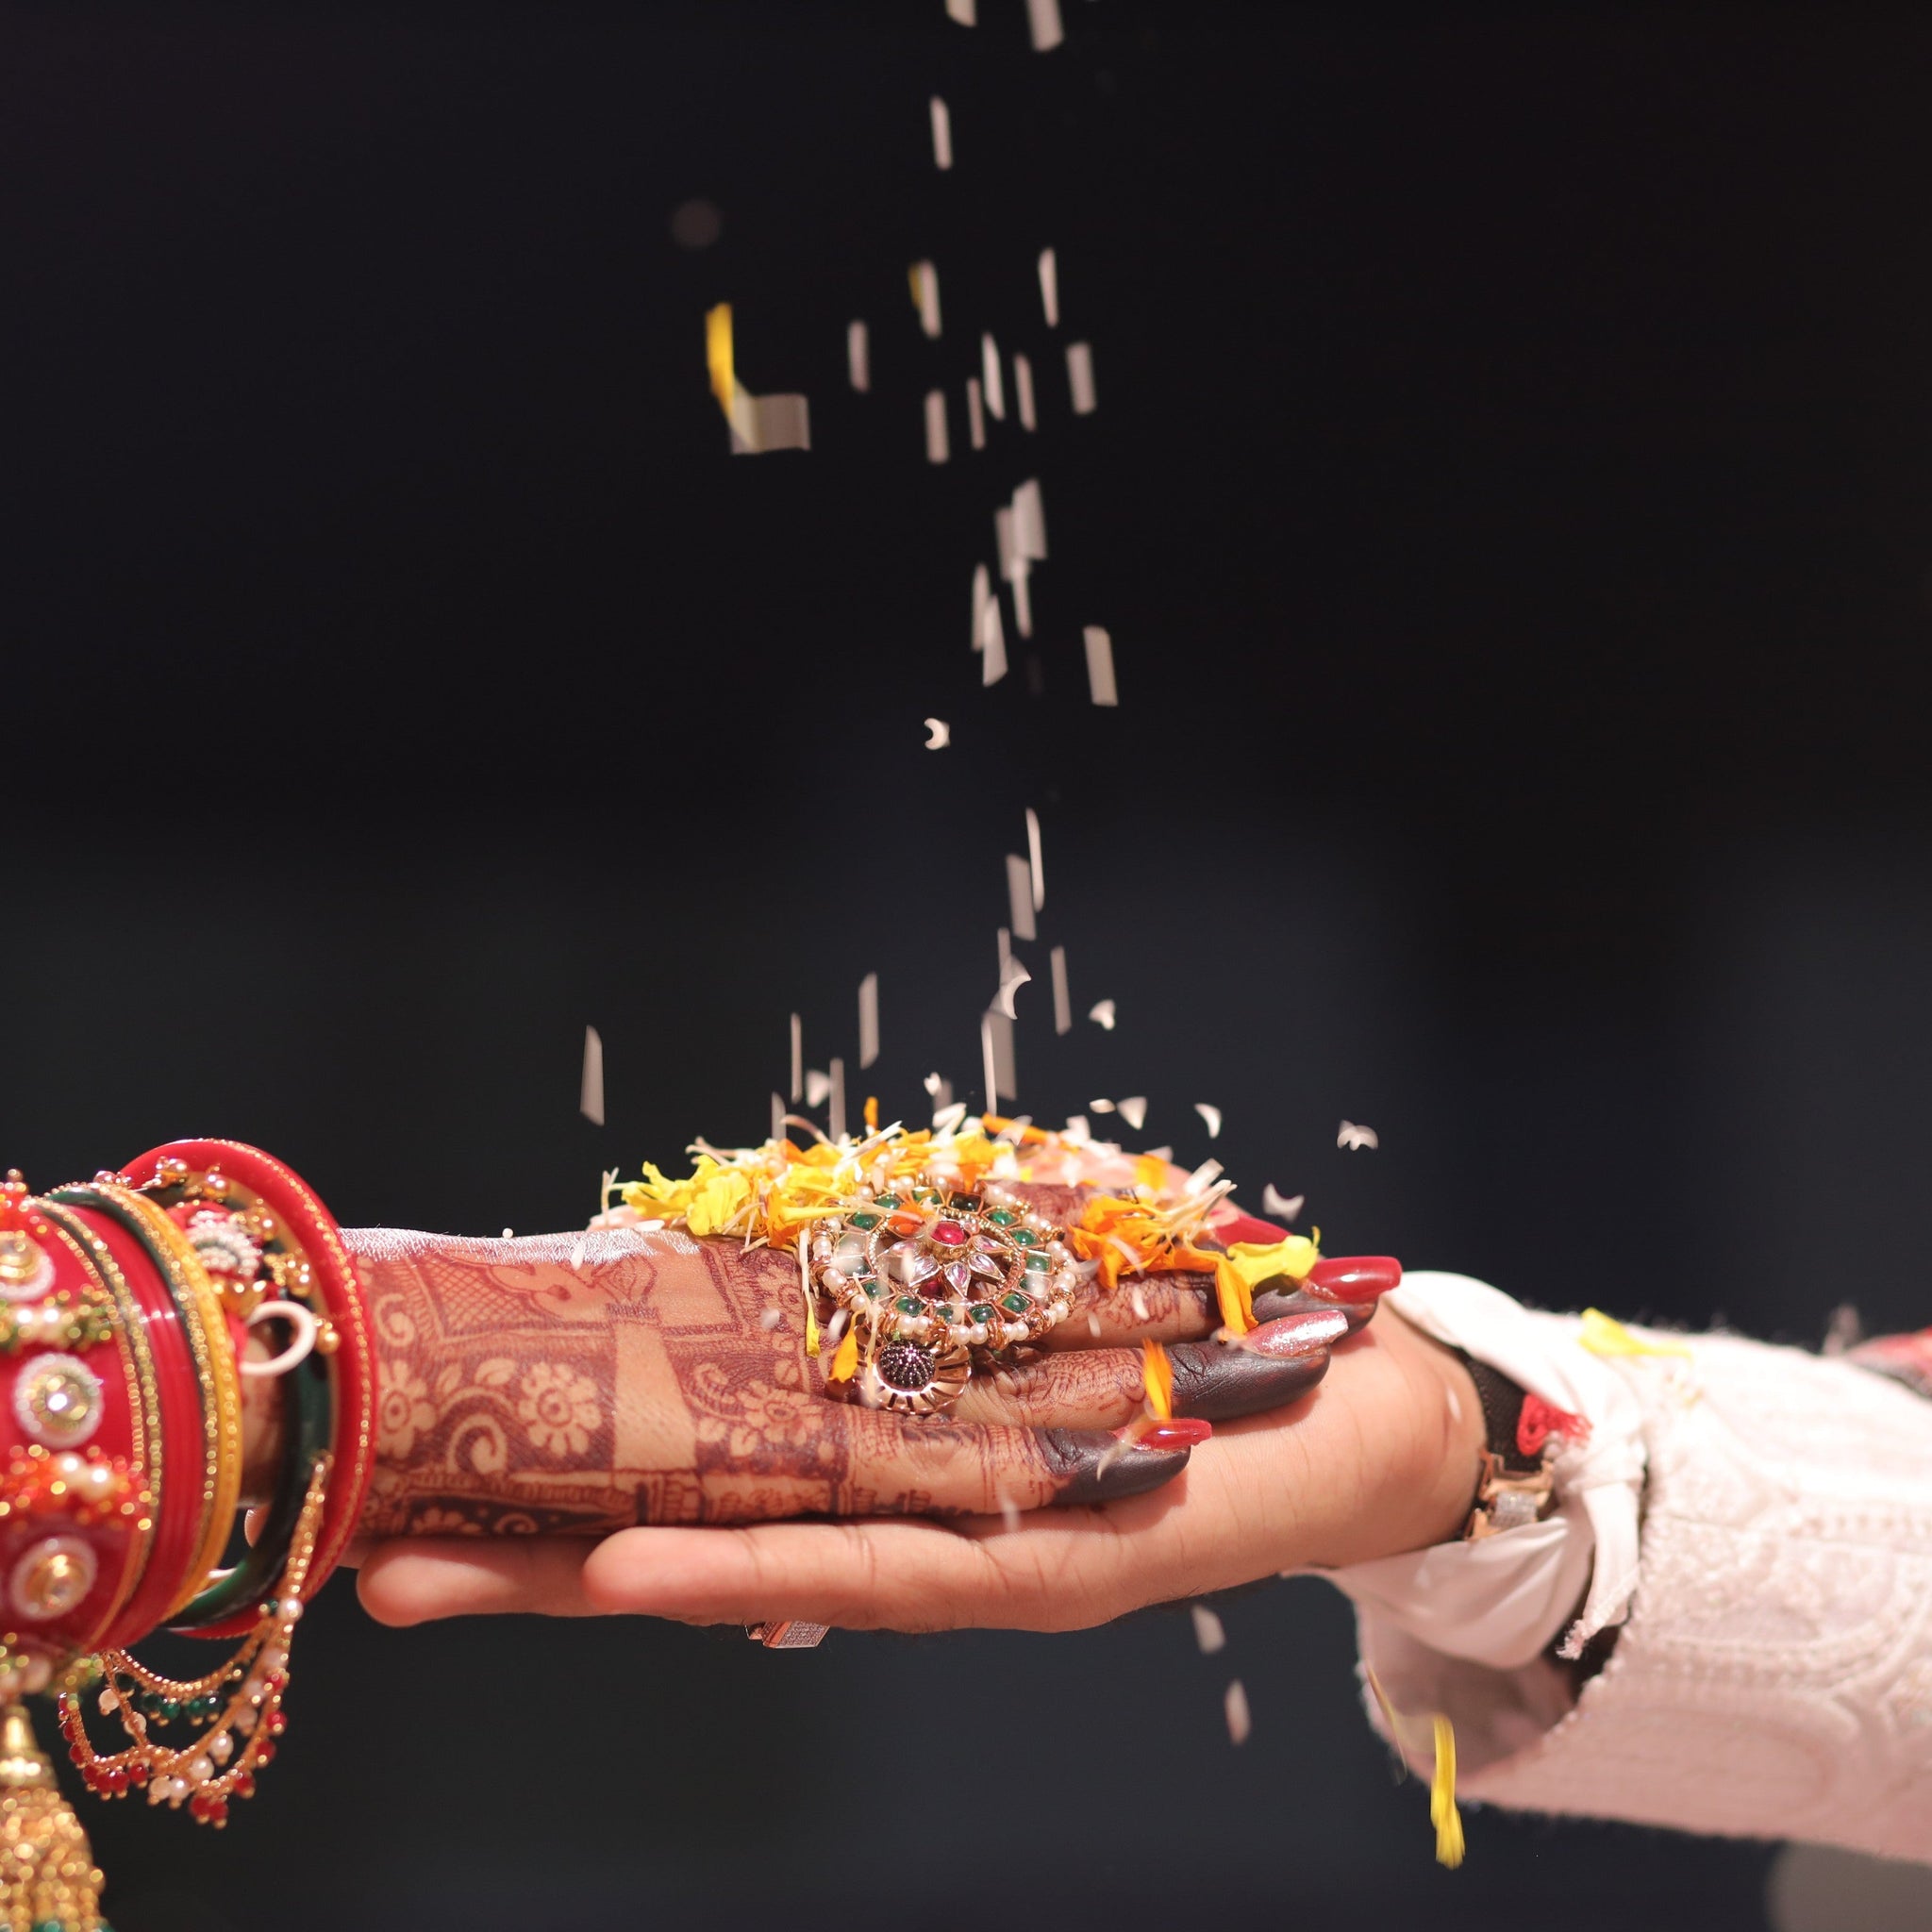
(1509, 500)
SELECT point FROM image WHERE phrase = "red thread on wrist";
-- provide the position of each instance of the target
(1541, 1420)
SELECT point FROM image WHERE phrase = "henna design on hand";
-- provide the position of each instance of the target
(582, 1383)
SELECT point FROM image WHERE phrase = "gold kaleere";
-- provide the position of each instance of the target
(48, 1876)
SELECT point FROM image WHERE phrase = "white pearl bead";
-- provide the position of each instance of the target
(273, 1659)
(109, 1701)
(221, 1747)
(200, 1769)
(290, 1610)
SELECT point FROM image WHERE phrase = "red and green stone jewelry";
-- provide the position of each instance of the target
(936, 1281)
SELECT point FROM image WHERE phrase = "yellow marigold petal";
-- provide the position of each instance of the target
(1150, 1173)
(717, 1202)
(1257, 1261)
(1605, 1335)
(1156, 1381)
(1236, 1298)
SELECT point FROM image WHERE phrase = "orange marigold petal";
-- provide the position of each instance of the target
(1156, 1381)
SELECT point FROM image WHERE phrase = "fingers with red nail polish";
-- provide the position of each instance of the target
(1102, 1387)
(1214, 1380)
(1181, 1432)
(1355, 1278)
(1093, 1468)
(1350, 1284)
(1305, 1334)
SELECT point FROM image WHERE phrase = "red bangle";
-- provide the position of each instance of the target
(77, 1428)
(178, 1515)
(351, 1368)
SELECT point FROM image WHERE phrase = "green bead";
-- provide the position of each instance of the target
(887, 1200)
(1026, 1238)
(1015, 1304)
(963, 1204)
(1039, 1264)
(946, 1312)
(867, 1222)
(909, 1304)
(1000, 1217)
(983, 1311)
(873, 1287)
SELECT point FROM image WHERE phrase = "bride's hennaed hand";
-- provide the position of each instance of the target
(1380, 1459)
(576, 1384)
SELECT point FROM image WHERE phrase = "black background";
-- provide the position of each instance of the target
(1509, 500)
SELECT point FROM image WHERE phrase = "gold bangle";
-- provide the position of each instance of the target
(206, 1323)
(130, 1337)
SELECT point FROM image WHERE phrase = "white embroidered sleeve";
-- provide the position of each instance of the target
(1773, 1677)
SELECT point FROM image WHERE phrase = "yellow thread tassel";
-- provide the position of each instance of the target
(1605, 1335)
(47, 1871)
(1442, 1812)
(1157, 1380)
(845, 1361)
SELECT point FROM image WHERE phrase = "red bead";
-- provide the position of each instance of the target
(264, 1753)
(245, 1785)
(949, 1234)
(1354, 1277)
(277, 1725)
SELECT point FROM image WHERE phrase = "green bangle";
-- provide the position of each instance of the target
(255, 1578)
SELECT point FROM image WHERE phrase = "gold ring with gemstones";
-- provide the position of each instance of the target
(937, 1281)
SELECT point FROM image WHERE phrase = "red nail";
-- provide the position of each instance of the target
(1304, 1333)
(1183, 1432)
(1354, 1277)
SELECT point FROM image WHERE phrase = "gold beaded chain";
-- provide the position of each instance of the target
(237, 1708)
